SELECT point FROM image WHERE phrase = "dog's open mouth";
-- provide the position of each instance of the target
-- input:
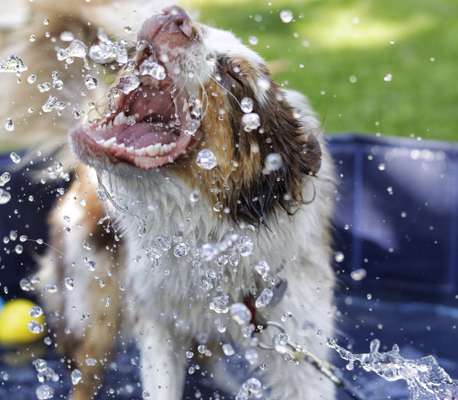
(151, 126)
(151, 120)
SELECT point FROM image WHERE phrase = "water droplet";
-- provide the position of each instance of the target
(9, 125)
(50, 288)
(358, 274)
(31, 79)
(194, 197)
(36, 328)
(206, 159)
(339, 256)
(5, 178)
(220, 304)
(245, 246)
(57, 83)
(191, 127)
(264, 298)
(251, 389)
(240, 313)
(281, 342)
(353, 79)
(69, 283)
(90, 82)
(76, 49)
(107, 51)
(44, 87)
(253, 40)
(252, 356)
(91, 362)
(15, 158)
(388, 78)
(67, 36)
(273, 162)
(247, 105)
(26, 285)
(13, 64)
(5, 196)
(228, 350)
(181, 250)
(129, 83)
(262, 268)
(251, 122)
(36, 311)
(53, 104)
(152, 68)
(44, 392)
(76, 377)
(18, 249)
(286, 16)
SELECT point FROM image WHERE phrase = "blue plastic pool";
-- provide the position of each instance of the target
(396, 218)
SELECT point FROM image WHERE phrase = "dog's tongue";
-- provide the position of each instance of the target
(143, 134)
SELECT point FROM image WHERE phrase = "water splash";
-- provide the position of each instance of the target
(425, 378)
(107, 51)
(13, 64)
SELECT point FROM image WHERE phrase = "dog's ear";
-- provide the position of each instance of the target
(274, 160)
(285, 137)
(290, 135)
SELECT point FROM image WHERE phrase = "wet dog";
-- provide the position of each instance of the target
(199, 212)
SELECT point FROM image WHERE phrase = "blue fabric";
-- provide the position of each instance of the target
(396, 217)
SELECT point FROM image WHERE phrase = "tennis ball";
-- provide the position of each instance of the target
(21, 322)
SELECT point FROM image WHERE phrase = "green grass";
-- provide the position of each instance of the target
(416, 41)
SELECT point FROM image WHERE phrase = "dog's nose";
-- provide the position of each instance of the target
(177, 20)
(173, 26)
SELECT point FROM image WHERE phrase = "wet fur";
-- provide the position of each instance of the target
(290, 209)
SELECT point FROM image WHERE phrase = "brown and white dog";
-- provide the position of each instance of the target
(244, 232)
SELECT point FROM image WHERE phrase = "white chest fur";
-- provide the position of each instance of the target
(168, 277)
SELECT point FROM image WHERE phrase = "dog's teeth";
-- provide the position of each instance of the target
(110, 142)
(150, 150)
(131, 149)
(157, 148)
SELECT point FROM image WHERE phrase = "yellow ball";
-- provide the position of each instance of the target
(17, 326)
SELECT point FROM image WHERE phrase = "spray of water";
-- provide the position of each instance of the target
(425, 378)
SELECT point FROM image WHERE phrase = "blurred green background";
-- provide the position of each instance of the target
(375, 66)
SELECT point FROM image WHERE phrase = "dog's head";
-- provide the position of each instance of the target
(195, 103)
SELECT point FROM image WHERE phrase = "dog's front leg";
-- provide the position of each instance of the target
(306, 312)
(163, 362)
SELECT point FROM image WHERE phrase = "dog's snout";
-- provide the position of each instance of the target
(172, 25)
(177, 19)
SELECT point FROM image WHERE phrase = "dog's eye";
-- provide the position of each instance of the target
(231, 71)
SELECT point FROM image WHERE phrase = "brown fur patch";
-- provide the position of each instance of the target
(103, 322)
(237, 186)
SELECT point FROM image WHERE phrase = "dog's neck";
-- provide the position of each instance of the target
(152, 205)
